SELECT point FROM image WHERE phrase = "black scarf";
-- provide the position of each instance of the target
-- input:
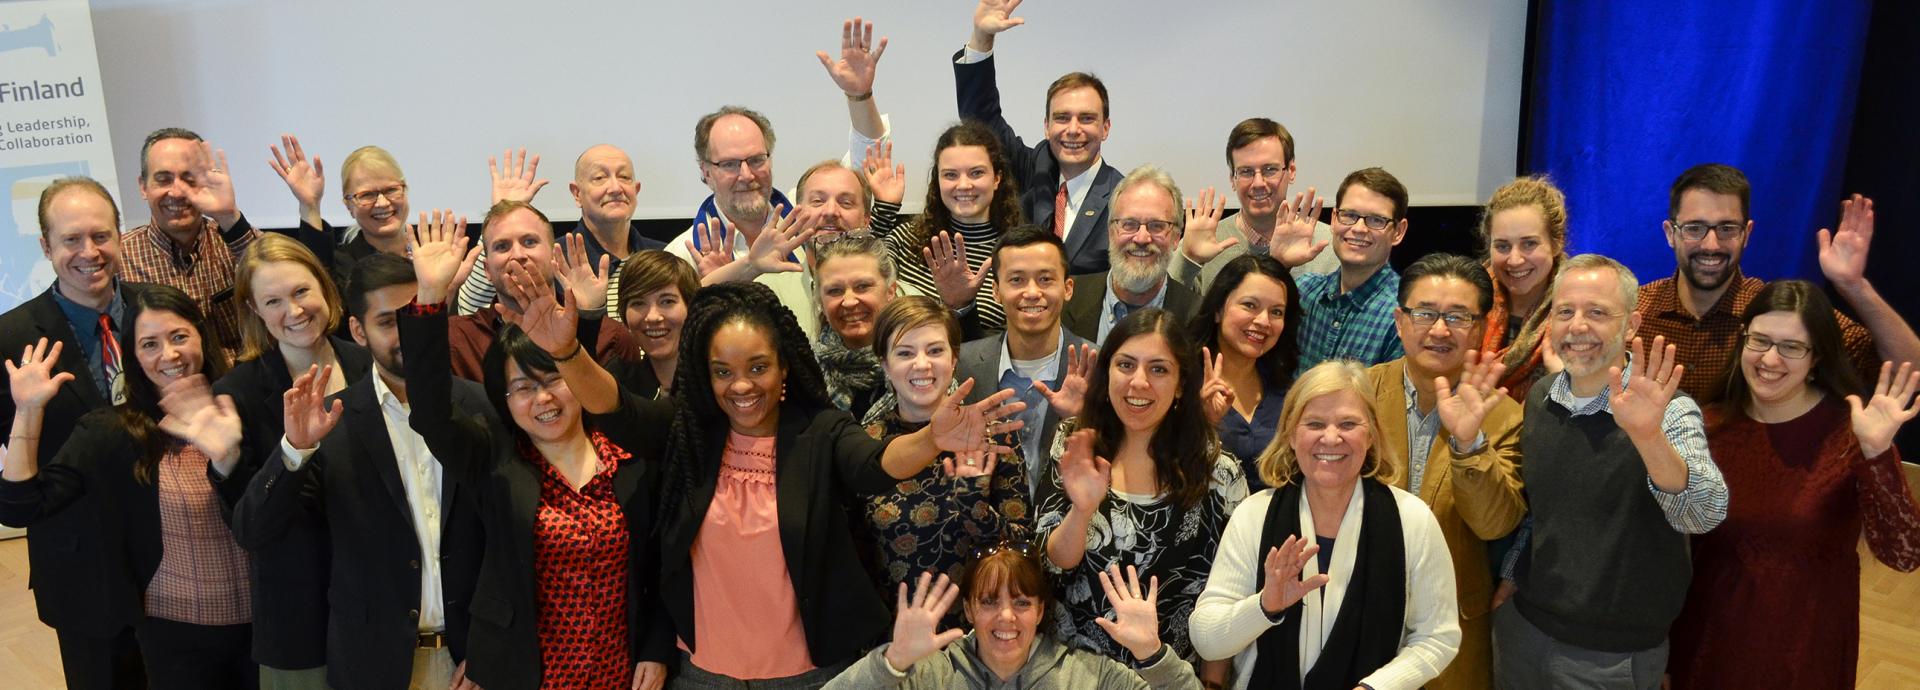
(1366, 633)
(853, 376)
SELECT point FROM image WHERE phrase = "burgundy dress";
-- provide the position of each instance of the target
(1775, 600)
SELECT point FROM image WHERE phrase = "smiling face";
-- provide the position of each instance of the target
(1520, 250)
(1261, 194)
(1439, 349)
(386, 217)
(1004, 625)
(173, 169)
(518, 237)
(834, 193)
(1139, 258)
(1589, 326)
(1775, 379)
(1076, 126)
(1143, 381)
(1332, 439)
(541, 403)
(290, 302)
(82, 244)
(919, 364)
(967, 181)
(1253, 317)
(747, 377)
(1358, 245)
(852, 293)
(656, 319)
(604, 187)
(1708, 262)
(1032, 287)
(167, 345)
(741, 191)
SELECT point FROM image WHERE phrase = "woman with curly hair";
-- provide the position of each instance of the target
(948, 251)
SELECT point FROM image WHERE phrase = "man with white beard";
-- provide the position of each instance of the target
(1144, 223)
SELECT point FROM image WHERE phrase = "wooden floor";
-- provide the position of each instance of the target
(1889, 625)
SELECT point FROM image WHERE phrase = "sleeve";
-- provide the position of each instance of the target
(283, 491)
(1050, 500)
(1185, 271)
(856, 455)
(857, 143)
(238, 237)
(638, 425)
(1703, 503)
(462, 443)
(1169, 673)
(872, 671)
(1522, 535)
(320, 241)
(1227, 617)
(1888, 514)
(1861, 350)
(68, 476)
(1486, 481)
(1433, 612)
(477, 293)
(977, 92)
(884, 220)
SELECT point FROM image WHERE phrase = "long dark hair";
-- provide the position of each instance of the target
(1004, 214)
(1277, 365)
(699, 425)
(512, 343)
(140, 414)
(1832, 371)
(1184, 446)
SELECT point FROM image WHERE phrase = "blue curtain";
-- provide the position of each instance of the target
(1627, 94)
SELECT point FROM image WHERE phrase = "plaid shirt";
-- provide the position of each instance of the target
(1356, 325)
(1706, 345)
(202, 578)
(205, 274)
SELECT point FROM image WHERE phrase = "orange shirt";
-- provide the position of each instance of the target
(745, 614)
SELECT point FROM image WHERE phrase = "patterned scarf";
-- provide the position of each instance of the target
(850, 372)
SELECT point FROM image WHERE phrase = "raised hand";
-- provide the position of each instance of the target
(991, 17)
(441, 258)
(307, 418)
(959, 429)
(33, 378)
(1639, 407)
(1464, 407)
(1843, 253)
(859, 57)
(213, 196)
(305, 177)
(1283, 587)
(1292, 242)
(769, 252)
(1136, 623)
(1215, 394)
(517, 182)
(916, 621)
(546, 317)
(1070, 400)
(1876, 421)
(1550, 358)
(713, 251)
(946, 256)
(887, 178)
(571, 266)
(1085, 477)
(205, 421)
(1202, 242)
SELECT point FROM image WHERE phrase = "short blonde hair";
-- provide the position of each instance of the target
(363, 157)
(274, 248)
(1278, 466)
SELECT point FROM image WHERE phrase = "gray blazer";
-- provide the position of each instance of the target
(1199, 277)
(980, 361)
(1081, 315)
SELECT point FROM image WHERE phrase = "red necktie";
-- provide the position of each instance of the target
(1060, 212)
(110, 358)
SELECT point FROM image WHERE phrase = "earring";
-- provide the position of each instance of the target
(783, 391)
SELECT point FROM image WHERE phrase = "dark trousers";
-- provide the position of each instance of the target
(198, 657)
(101, 663)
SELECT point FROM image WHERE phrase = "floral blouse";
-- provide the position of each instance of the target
(932, 522)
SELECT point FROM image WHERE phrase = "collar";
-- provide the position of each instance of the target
(1077, 185)
(710, 213)
(83, 316)
(179, 255)
(1159, 296)
(1662, 297)
(1374, 284)
(595, 249)
(381, 393)
(1562, 392)
(1046, 373)
(1413, 393)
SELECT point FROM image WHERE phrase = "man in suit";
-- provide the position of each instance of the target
(1146, 224)
(1458, 447)
(385, 503)
(85, 312)
(1032, 356)
(1064, 183)
(1261, 165)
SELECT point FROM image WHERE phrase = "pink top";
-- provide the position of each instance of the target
(745, 615)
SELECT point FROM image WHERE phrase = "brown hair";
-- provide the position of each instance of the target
(1075, 80)
(1714, 178)
(1832, 370)
(904, 314)
(159, 135)
(504, 207)
(934, 218)
(52, 192)
(649, 270)
(276, 248)
(1254, 129)
(866, 188)
(1278, 466)
(1021, 573)
(1382, 183)
(1539, 192)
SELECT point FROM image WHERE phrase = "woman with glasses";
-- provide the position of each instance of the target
(930, 521)
(1810, 461)
(1524, 231)
(1246, 320)
(1138, 479)
(373, 189)
(1335, 578)
(1005, 595)
(853, 281)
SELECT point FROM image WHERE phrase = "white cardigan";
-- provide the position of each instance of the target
(1227, 619)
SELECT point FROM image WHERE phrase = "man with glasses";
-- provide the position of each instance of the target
(1145, 222)
(1261, 166)
(1454, 437)
(1349, 312)
(1698, 309)
(1617, 475)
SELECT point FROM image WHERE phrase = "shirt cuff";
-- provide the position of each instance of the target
(1479, 442)
(888, 665)
(415, 308)
(970, 56)
(294, 458)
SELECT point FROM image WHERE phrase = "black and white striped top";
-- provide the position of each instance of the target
(981, 240)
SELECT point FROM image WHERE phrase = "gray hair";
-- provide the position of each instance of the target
(860, 244)
(1151, 174)
(703, 130)
(1629, 285)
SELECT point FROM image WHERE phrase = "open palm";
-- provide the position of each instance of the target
(1877, 420)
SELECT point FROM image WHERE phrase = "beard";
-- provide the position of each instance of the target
(1708, 279)
(747, 205)
(1136, 274)
(1576, 366)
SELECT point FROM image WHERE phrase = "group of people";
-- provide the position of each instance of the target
(1138, 443)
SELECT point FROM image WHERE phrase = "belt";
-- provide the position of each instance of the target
(431, 640)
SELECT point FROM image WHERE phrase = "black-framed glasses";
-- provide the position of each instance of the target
(394, 194)
(1157, 228)
(1014, 538)
(1248, 172)
(756, 163)
(1374, 222)
(1456, 320)
(1790, 349)
(1694, 232)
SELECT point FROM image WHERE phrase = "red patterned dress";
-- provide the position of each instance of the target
(1775, 601)
(580, 563)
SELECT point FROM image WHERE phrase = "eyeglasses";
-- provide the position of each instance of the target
(1014, 537)
(754, 163)
(1157, 228)
(525, 388)
(1374, 222)
(1458, 321)
(394, 194)
(1694, 232)
(1248, 172)
(1790, 349)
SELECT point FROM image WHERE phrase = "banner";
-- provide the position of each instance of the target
(53, 124)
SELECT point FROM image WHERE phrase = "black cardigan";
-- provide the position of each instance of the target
(502, 643)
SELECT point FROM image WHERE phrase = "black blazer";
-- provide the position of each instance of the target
(827, 462)
(1081, 315)
(352, 488)
(502, 643)
(289, 572)
(978, 91)
(65, 551)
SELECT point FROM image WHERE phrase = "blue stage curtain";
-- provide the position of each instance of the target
(1627, 94)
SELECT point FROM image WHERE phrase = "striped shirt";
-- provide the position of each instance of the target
(981, 240)
(203, 270)
(1356, 325)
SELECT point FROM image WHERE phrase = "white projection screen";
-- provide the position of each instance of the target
(1428, 90)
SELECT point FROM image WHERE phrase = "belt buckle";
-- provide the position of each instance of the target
(430, 640)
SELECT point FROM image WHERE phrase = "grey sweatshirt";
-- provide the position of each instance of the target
(1051, 666)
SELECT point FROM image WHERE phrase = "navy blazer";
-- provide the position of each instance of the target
(978, 91)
